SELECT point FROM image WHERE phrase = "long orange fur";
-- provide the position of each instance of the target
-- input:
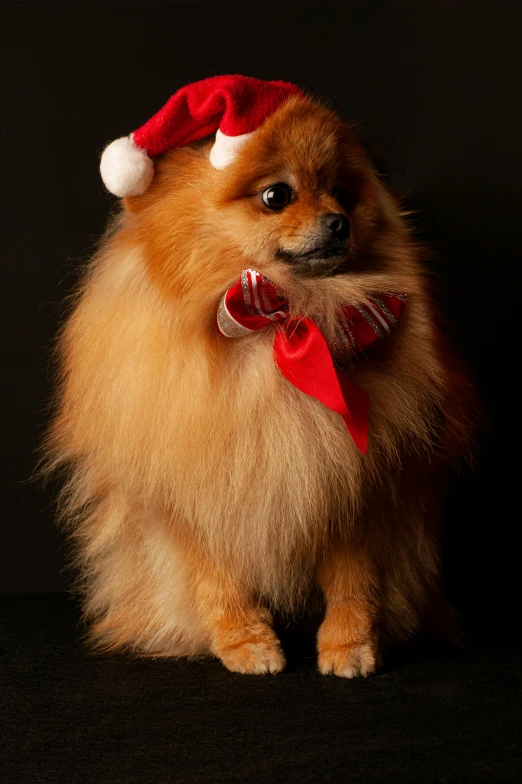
(204, 491)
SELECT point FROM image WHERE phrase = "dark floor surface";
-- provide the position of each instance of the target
(433, 715)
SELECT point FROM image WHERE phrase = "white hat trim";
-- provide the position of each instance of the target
(225, 148)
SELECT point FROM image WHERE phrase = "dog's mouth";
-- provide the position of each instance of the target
(320, 261)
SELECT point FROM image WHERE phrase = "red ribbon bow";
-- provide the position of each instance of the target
(302, 353)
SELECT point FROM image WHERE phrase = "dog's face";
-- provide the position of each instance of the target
(303, 194)
(300, 202)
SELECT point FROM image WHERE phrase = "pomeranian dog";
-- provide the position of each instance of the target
(206, 491)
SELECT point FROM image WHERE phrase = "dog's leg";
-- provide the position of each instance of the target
(240, 632)
(346, 642)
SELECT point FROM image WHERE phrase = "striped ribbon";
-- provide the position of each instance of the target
(300, 350)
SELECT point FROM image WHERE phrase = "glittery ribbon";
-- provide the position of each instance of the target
(301, 352)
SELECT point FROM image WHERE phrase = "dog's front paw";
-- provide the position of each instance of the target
(254, 656)
(348, 661)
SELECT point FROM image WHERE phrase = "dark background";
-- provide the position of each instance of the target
(435, 88)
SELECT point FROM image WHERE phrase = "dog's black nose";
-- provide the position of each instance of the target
(337, 224)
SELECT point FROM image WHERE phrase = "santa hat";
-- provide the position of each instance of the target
(232, 107)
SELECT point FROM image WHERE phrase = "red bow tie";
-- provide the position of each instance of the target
(301, 352)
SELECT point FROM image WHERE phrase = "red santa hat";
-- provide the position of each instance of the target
(232, 107)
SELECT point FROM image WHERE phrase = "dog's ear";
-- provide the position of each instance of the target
(133, 204)
(137, 204)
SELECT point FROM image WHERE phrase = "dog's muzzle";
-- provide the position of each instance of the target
(326, 249)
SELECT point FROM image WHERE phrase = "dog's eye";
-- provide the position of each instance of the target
(340, 195)
(345, 197)
(276, 197)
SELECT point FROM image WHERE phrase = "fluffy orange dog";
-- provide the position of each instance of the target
(205, 491)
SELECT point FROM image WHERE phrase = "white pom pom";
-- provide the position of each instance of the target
(225, 148)
(126, 169)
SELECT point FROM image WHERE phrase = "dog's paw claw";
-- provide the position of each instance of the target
(348, 661)
(256, 657)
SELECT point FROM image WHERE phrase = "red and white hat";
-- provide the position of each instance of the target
(232, 107)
